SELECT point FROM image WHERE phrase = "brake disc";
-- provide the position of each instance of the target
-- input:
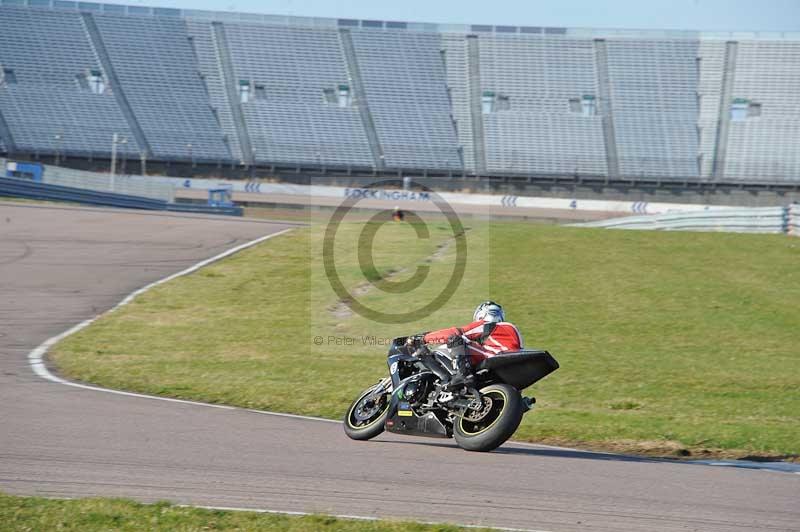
(367, 408)
(474, 415)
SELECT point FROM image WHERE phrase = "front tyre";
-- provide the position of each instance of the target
(365, 417)
(494, 423)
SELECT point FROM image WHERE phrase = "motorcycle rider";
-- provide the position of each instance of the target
(488, 335)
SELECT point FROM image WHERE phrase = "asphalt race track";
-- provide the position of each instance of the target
(61, 265)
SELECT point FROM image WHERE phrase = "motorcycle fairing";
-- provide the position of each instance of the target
(400, 418)
(520, 369)
(425, 425)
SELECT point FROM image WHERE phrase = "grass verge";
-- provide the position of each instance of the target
(99, 514)
(670, 343)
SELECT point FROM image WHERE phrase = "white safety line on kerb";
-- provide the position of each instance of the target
(36, 361)
(353, 517)
(36, 357)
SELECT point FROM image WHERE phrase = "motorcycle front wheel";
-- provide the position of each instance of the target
(367, 414)
(488, 428)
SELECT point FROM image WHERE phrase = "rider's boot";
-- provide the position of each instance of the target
(463, 375)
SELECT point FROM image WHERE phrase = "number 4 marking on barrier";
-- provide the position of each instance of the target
(573, 204)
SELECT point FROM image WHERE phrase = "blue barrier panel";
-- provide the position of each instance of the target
(22, 170)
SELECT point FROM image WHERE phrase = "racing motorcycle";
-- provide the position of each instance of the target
(416, 398)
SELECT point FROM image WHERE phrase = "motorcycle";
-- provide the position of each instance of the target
(416, 398)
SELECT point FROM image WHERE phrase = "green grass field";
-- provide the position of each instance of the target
(95, 515)
(669, 343)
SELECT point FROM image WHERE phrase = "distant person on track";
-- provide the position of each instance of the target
(398, 215)
(488, 335)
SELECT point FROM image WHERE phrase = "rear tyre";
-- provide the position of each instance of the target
(496, 422)
(367, 414)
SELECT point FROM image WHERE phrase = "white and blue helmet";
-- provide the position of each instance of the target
(489, 312)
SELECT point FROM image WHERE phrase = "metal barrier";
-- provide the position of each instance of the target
(120, 184)
(205, 209)
(23, 188)
(793, 219)
(753, 220)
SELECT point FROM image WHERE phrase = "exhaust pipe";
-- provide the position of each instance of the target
(527, 403)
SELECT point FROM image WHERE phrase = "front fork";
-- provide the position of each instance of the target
(384, 386)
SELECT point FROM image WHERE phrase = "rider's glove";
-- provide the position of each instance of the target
(416, 343)
(455, 340)
(417, 339)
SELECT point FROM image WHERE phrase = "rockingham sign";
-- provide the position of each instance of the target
(384, 194)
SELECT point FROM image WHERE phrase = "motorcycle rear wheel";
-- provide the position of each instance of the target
(365, 417)
(494, 424)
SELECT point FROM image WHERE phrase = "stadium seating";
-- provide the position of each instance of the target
(291, 122)
(157, 69)
(53, 119)
(233, 88)
(209, 65)
(767, 145)
(404, 79)
(654, 98)
(44, 107)
(538, 133)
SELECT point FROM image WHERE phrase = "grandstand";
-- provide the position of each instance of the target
(366, 96)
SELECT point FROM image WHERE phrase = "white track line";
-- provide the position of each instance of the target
(36, 361)
(36, 357)
(296, 416)
(353, 517)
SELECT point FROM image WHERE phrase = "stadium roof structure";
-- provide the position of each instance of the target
(323, 22)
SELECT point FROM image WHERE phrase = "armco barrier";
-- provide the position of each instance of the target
(23, 188)
(129, 185)
(753, 220)
(793, 219)
(205, 209)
